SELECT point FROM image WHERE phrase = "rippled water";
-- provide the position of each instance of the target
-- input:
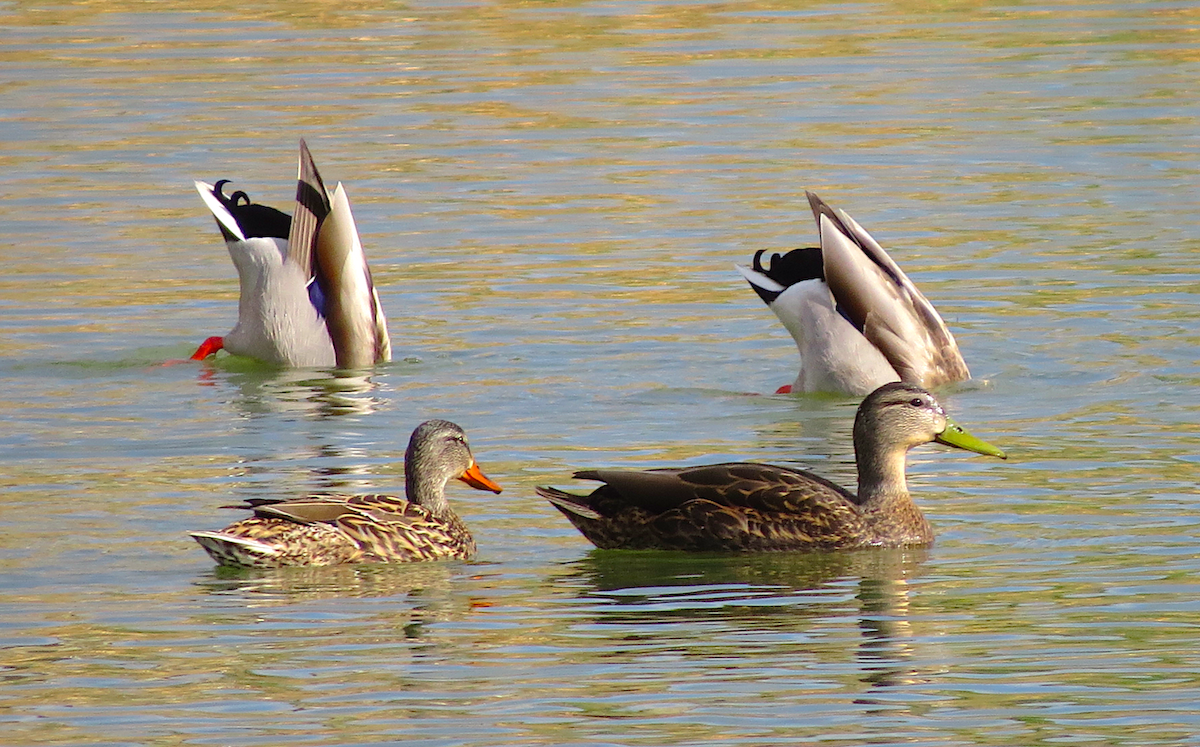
(553, 196)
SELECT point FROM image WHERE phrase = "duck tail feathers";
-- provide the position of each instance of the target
(568, 503)
(762, 284)
(225, 220)
(230, 549)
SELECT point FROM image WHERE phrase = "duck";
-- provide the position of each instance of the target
(857, 320)
(752, 507)
(323, 530)
(307, 299)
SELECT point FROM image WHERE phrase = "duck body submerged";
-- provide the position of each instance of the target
(306, 294)
(857, 320)
(748, 507)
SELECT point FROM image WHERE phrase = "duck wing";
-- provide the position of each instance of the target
(354, 316)
(333, 509)
(386, 528)
(762, 487)
(875, 295)
(734, 506)
(324, 243)
(312, 207)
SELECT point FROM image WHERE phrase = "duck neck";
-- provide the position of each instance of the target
(881, 479)
(883, 495)
(425, 490)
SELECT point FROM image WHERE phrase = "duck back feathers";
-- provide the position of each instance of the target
(331, 530)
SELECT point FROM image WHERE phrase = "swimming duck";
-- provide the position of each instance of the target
(760, 507)
(330, 530)
(307, 299)
(857, 320)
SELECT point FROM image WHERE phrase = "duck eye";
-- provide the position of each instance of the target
(917, 402)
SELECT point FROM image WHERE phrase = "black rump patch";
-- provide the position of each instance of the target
(788, 269)
(256, 221)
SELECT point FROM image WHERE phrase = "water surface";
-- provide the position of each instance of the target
(553, 196)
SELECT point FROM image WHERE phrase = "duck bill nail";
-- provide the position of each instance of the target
(957, 436)
(476, 479)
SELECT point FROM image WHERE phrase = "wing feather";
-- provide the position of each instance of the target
(878, 298)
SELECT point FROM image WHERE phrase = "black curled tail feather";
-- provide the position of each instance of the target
(255, 221)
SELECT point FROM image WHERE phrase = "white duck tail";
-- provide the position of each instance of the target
(307, 298)
(857, 320)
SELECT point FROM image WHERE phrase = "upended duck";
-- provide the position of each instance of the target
(857, 320)
(307, 298)
(751, 507)
(330, 530)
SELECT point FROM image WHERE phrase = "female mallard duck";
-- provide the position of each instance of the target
(760, 507)
(328, 530)
(857, 319)
(307, 299)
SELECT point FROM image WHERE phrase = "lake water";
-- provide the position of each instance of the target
(553, 196)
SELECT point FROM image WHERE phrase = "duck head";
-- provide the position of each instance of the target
(898, 415)
(438, 453)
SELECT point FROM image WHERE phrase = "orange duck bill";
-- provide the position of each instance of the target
(476, 479)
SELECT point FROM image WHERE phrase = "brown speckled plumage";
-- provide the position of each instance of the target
(759, 507)
(330, 530)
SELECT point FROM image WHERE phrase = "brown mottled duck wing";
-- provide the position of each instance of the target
(387, 528)
(759, 507)
(330, 509)
(720, 507)
(313, 509)
(814, 524)
(391, 530)
(763, 487)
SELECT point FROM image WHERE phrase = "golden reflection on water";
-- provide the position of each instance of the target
(552, 196)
